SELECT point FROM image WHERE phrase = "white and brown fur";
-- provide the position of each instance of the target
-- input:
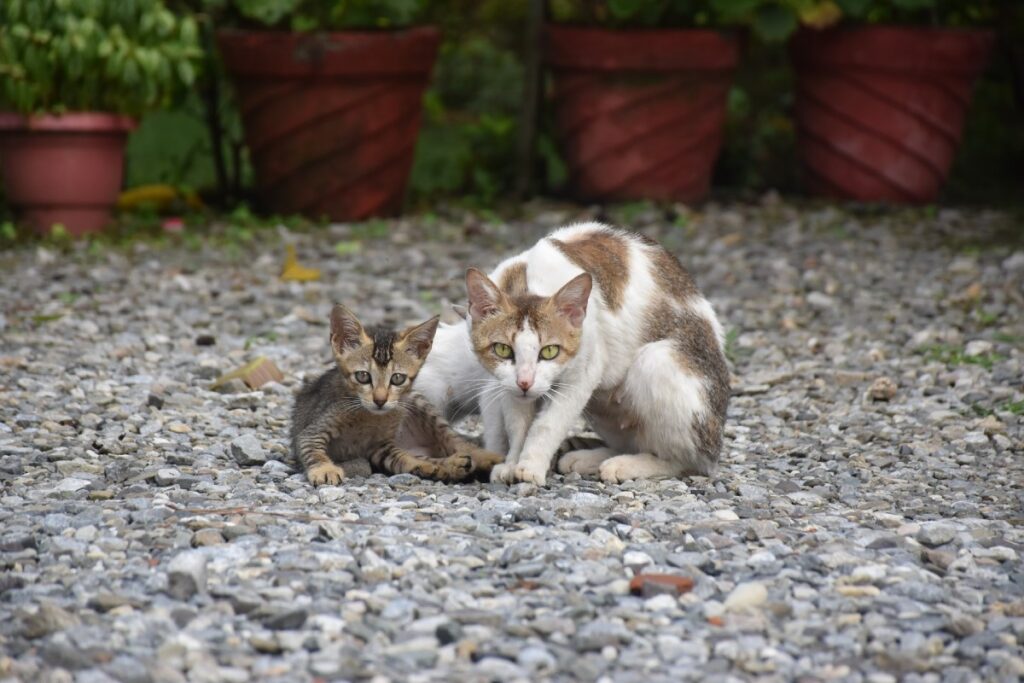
(642, 358)
(343, 426)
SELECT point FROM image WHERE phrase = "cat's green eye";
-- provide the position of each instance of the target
(502, 350)
(398, 379)
(550, 352)
(363, 377)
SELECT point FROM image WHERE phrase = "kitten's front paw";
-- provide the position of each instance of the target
(325, 474)
(456, 468)
(530, 472)
(486, 461)
(502, 474)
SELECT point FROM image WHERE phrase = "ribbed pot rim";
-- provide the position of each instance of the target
(274, 53)
(923, 49)
(71, 122)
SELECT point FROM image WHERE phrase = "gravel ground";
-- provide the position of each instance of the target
(867, 523)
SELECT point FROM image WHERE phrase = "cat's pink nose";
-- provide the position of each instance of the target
(525, 384)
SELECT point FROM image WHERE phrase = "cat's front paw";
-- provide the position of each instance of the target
(325, 474)
(502, 474)
(530, 472)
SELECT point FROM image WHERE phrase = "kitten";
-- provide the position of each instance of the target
(363, 410)
(598, 322)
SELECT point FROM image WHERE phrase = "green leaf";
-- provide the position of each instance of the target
(774, 23)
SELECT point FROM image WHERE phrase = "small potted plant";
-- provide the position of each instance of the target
(639, 108)
(882, 97)
(330, 93)
(72, 77)
(883, 88)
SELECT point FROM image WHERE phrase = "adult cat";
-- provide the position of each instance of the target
(590, 321)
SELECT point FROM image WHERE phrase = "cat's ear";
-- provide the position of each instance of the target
(346, 330)
(571, 300)
(419, 338)
(484, 296)
(460, 311)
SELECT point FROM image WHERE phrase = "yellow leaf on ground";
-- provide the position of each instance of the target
(295, 272)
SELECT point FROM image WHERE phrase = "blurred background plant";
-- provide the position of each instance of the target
(632, 13)
(466, 148)
(124, 57)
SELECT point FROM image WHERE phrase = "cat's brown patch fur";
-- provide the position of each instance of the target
(513, 280)
(605, 256)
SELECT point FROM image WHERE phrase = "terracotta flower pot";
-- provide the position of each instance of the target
(640, 113)
(331, 119)
(63, 169)
(880, 110)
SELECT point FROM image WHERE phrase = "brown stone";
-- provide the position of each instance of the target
(882, 389)
(649, 585)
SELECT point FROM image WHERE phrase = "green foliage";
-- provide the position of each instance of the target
(632, 13)
(954, 356)
(119, 56)
(939, 12)
(776, 20)
(467, 143)
(317, 15)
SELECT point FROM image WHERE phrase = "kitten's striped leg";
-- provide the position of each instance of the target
(394, 460)
(311, 452)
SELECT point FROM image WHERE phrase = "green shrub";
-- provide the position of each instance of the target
(632, 13)
(776, 20)
(119, 56)
(318, 15)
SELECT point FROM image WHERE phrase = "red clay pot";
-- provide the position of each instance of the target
(880, 110)
(640, 113)
(331, 119)
(63, 169)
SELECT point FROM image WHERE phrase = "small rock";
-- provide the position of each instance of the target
(248, 451)
(882, 389)
(287, 621)
(978, 347)
(47, 619)
(186, 574)
(206, 340)
(649, 585)
(746, 596)
(934, 534)
(205, 537)
(858, 591)
(166, 476)
(634, 559)
(991, 425)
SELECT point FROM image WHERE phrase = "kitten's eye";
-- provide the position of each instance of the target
(363, 377)
(550, 352)
(398, 379)
(502, 350)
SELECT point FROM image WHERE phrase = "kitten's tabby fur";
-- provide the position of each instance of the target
(361, 413)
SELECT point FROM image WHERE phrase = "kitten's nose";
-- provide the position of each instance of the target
(380, 402)
(524, 384)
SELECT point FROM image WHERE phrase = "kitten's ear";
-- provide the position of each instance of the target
(484, 296)
(346, 330)
(419, 338)
(460, 311)
(571, 300)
